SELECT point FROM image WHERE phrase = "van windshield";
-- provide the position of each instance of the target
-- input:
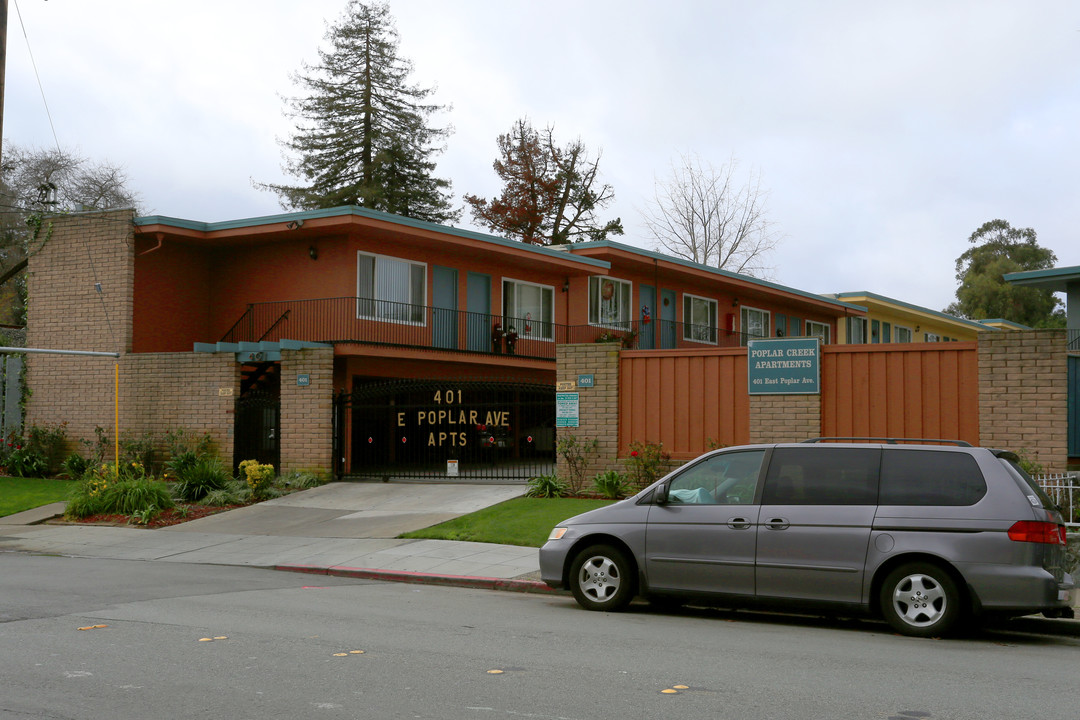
(1032, 489)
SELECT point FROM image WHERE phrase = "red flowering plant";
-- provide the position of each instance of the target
(646, 464)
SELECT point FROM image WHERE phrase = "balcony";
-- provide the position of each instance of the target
(360, 321)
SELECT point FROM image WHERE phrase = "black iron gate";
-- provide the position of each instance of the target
(257, 428)
(462, 430)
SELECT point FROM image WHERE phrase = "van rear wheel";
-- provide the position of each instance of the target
(921, 600)
(602, 578)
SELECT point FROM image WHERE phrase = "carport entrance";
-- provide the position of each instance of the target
(458, 430)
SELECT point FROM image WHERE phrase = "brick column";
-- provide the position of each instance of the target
(598, 406)
(1023, 394)
(784, 418)
(307, 410)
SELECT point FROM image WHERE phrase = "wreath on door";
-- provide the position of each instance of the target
(607, 289)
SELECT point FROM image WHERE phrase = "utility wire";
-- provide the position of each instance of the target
(33, 63)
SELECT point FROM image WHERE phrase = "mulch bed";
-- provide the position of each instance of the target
(172, 516)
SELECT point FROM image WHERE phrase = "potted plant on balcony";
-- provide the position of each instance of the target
(496, 337)
(511, 339)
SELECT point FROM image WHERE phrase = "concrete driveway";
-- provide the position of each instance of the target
(355, 510)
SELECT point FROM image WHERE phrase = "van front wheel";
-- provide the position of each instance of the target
(920, 599)
(601, 578)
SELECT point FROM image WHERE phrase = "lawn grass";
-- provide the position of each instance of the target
(18, 494)
(521, 521)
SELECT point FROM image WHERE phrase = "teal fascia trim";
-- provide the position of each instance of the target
(347, 210)
(715, 271)
(217, 347)
(1056, 279)
(918, 308)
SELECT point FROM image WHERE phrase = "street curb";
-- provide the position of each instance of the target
(405, 576)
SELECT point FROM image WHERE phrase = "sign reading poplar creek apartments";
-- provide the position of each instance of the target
(788, 366)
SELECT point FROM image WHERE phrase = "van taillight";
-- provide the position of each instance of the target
(1038, 532)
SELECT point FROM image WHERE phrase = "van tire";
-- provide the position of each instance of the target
(602, 578)
(921, 600)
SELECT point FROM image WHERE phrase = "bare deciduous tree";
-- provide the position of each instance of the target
(701, 214)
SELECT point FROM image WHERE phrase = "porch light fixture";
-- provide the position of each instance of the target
(735, 302)
(566, 285)
(313, 253)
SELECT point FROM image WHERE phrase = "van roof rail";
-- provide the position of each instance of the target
(889, 440)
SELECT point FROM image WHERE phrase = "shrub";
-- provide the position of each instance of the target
(611, 484)
(547, 486)
(259, 478)
(76, 466)
(49, 441)
(24, 462)
(139, 449)
(198, 477)
(575, 454)
(647, 463)
(101, 491)
(304, 479)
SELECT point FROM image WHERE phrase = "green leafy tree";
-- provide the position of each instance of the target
(362, 133)
(997, 249)
(550, 195)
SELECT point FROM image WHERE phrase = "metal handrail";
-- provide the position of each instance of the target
(364, 321)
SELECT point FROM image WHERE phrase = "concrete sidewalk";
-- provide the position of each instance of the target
(346, 529)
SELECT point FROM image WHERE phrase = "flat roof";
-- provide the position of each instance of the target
(1055, 279)
(916, 308)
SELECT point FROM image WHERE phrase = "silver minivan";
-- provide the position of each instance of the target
(924, 535)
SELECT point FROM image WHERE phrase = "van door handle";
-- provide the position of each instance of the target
(738, 523)
(777, 524)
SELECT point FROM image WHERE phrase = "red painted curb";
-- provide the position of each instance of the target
(468, 581)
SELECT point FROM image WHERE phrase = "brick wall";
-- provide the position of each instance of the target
(1023, 396)
(598, 406)
(64, 309)
(307, 410)
(784, 418)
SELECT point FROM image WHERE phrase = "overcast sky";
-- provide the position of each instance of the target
(885, 133)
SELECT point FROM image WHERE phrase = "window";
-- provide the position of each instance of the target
(529, 309)
(818, 329)
(932, 337)
(818, 475)
(875, 331)
(727, 479)
(390, 289)
(930, 477)
(901, 334)
(699, 319)
(856, 331)
(609, 302)
(755, 323)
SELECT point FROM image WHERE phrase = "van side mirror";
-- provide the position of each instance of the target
(660, 497)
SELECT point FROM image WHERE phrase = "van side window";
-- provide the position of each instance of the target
(726, 479)
(817, 475)
(926, 477)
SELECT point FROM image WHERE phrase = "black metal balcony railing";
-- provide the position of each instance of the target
(351, 320)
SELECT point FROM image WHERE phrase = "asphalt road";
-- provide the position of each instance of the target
(88, 638)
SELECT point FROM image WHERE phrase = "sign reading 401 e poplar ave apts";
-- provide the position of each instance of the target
(788, 366)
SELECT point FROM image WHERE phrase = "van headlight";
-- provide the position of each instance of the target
(557, 533)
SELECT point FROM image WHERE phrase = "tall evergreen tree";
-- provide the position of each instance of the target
(362, 135)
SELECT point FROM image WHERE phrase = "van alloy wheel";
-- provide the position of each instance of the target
(601, 578)
(920, 599)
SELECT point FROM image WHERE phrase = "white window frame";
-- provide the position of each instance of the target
(897, 329)
(386, 312)
(931, 337)
(698, 332)
(621, 289)
(819, 329)
(743, 323)
(540, 325)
